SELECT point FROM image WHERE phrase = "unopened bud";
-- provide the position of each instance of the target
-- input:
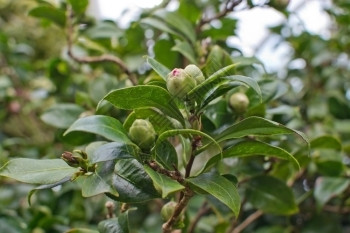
(239, 102)
(179, 83)
(142, 133)
(195, 72)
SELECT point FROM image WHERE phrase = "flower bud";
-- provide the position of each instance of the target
(279, 4)
(179, 83)
(195, 72)
(168, 211)
(239, 102)
(142, 133)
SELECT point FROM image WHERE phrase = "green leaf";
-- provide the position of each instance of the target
(271, 195)
(219, 187)
(166, 155)
(177, 22)
(186, 50)
(161, 25)
(158, 68)
(115, 225)
(185, 132)
(132, 182)
(61, 115)
(160, 122)
(145, 96)
(257, 126)
(328, 187)
(46, 186)
(33, 171)
(251, 148)
(326, 142)
(113, 151)
(200, 91)
(217, 58)
(104, 126)
(50, 13)
(99, 181)
(79, 6)
(163, 183)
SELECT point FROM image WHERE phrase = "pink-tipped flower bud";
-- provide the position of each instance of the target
(179, 83)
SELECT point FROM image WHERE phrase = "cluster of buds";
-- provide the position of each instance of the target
(181, 81)
(78, 159)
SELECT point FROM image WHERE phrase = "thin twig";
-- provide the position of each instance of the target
(181, 205)
(254, 216)
(92, 59)
(337, 209)
(202, 211)
(229, 7)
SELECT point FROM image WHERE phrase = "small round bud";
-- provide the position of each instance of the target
(168, 210)
(239, 102)
(142, 133)
(195, 72)
(179, 83)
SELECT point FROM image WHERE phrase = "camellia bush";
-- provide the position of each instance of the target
(161, 126)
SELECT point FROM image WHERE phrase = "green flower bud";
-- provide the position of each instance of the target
(168, 210)
(179, 83)
(142, 133)
(195, 72)
(239, 102)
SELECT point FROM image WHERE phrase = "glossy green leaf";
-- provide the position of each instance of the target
(271, 195)
(159, 121)
(200, 91)
(163, 183)
(165, 154)
(257, 126)
(132, 182)
(328, 187)
(99, 181)
(61, 115)
(158, 68)
(50, 13)
(217, 58)
(186, 50)
(104, 126)
(145, 96)
(79, 6)
(33, 171)
(219, 187)
(326, 142)
(115, 225)
(113, 151)
(252, 148)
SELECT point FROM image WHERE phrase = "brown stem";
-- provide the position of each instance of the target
(229, 7)
(93, 59)
(167, 227)
(196, 142)
(175, 175)
(203, 210)
(254, 216)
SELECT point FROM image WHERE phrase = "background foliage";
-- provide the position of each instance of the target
(43, 91)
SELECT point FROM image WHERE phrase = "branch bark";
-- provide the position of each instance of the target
(254, 216)
(203, 210)
(92, 59)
